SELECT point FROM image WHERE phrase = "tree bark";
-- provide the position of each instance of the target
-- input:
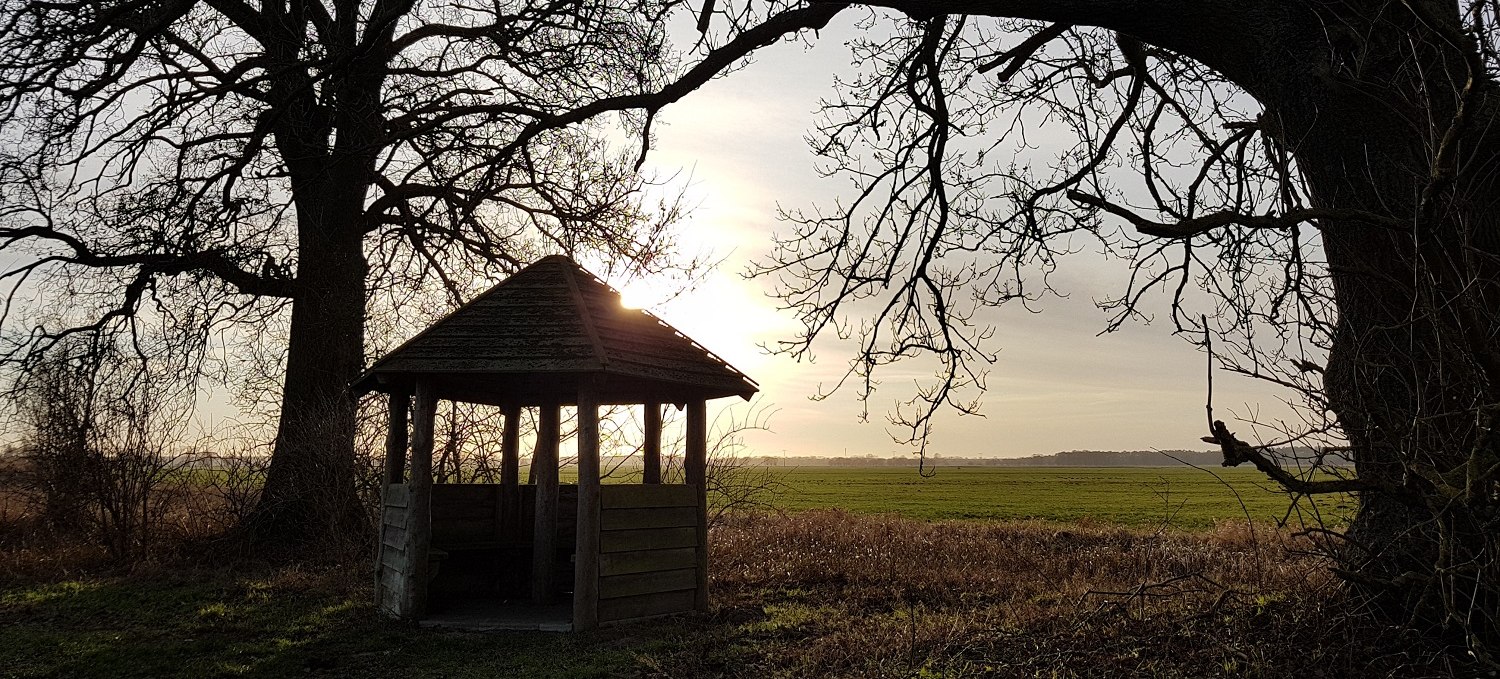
(1387, 109)
(309, 502)
(1398, 123)
(1411, 366)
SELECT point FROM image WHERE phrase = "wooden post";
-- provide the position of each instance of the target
(536, 449)
(419, 522)
(395, 438)
(651, 473)
(544, 535)
(696, 467)
(510, 448)
(395, 472)
(509, 505)
(586, 548)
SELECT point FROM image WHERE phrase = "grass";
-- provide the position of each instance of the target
(288, 623)
(1066, 573)
(816, 594)
(1182, 497)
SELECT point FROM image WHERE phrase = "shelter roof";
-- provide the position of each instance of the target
(541, 333)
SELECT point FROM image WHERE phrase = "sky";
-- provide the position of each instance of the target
(737, 146)
(1057, 385)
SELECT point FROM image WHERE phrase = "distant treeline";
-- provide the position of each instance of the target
(1071, 458)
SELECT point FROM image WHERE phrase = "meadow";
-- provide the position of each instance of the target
(821, 593)
(1181, 497)
(857, 572)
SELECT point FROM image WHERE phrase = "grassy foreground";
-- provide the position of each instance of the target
(1182, 497)
(814, 594)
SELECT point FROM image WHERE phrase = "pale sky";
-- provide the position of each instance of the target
(1057, 386)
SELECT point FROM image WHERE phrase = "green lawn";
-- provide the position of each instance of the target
(1182, 496)
(208, 624)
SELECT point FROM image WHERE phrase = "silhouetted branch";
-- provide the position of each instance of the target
(1197, 226)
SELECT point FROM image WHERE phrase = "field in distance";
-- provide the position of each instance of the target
(1183, 497)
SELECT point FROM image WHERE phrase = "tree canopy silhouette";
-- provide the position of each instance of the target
(229, 167)
(1311, 186)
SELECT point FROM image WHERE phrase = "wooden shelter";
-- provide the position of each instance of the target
(552, 335)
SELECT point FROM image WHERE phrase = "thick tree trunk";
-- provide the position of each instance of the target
(1411, 371)
(1389, 110)
(309, 499)
(1410, 392)
(309, 505)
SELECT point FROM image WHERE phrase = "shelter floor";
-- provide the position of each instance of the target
(483, 614)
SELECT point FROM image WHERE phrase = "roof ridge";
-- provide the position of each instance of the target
(647, 313)
(516, 331)
(585, 315)
(694, 343)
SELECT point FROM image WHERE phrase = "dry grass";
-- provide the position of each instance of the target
(825, 594)
(185, 518)
(831, 594)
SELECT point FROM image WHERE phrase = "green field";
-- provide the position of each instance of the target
(1138, 496)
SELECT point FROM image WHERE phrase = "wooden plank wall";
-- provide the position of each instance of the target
(466, 516)
(648, 551)
(395, 567)
(474, 515)
(485, 514)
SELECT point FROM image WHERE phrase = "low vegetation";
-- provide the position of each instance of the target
(820, 593)
(1176, 497)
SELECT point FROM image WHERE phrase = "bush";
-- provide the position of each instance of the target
(97, 450)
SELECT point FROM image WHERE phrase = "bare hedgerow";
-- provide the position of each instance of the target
(100, 444)
(737, 482)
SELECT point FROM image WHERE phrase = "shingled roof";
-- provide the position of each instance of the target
(536, 336)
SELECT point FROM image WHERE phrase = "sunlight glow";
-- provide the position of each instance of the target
(640, 294)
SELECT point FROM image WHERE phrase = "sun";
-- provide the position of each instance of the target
(641, 293)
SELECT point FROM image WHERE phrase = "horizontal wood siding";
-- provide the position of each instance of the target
(393, 538)
(622, 496)
(471, 515)
(390, 597)
(671, 517)
(645, 606)
(648, 538)
(462, 499)
(466, 531)
(645, 561)
(648, 545)
(655, 582)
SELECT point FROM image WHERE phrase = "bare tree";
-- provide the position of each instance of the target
(738, 481)
(1314, 180)
(1309, 183)
(247, 168)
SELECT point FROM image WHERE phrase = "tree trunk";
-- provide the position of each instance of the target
(309, 505)
(309, 500)
(1411, 369)
(1388, 110)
